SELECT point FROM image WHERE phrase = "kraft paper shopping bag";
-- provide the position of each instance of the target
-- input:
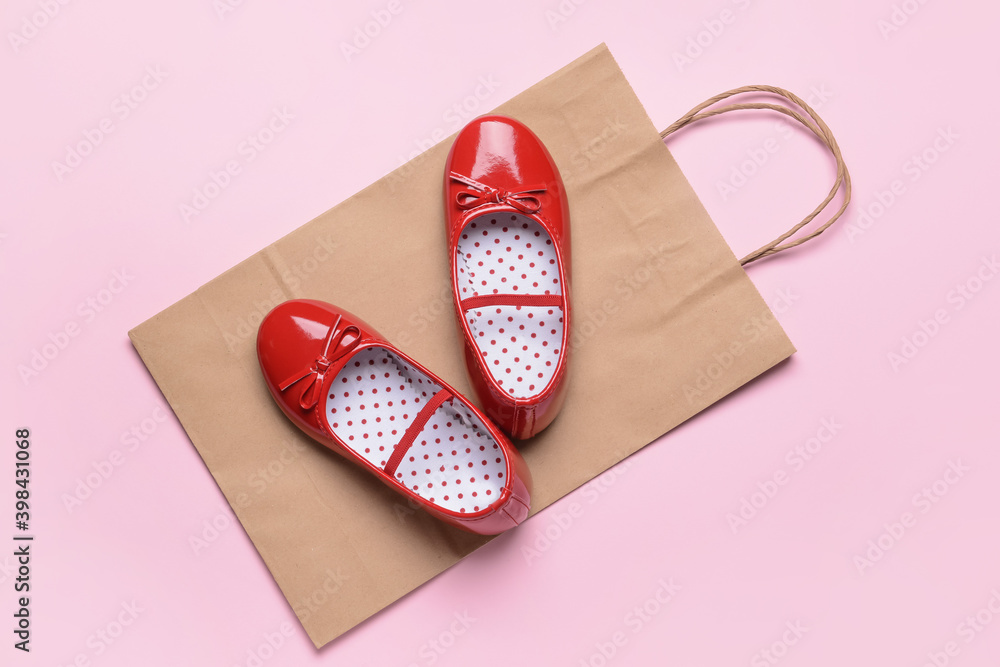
(658, 296)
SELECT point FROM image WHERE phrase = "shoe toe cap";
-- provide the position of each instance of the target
(504, 151)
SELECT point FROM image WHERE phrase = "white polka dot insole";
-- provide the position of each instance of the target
(453, 462)
(511, 254)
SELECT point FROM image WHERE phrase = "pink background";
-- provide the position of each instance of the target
(848, 301)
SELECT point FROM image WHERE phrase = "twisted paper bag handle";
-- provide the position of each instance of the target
(814, 123)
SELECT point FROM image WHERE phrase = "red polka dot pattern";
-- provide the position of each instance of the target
(519, 344)
(512, 254)
(506, 254)
(453, 463)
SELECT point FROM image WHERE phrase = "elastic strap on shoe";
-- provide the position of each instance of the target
(414, 429)
(486, 300)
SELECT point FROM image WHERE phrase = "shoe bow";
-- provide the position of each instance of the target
(479, 194)
(316, 371)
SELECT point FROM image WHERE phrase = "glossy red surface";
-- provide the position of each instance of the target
(520, 177)
(303, 344)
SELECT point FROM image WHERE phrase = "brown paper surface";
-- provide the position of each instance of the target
(666, 322)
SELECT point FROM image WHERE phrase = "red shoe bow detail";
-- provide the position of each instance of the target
(316, 372)
(481, 194)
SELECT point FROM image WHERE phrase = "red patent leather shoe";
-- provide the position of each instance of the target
(508, 238)
(346, 386)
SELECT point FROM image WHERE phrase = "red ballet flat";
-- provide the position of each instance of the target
(351, 390)
(509, 242)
